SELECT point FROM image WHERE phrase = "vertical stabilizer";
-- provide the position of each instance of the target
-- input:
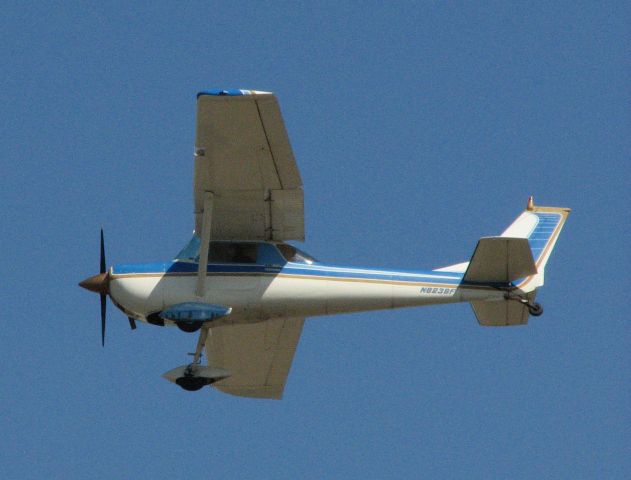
(541, 226)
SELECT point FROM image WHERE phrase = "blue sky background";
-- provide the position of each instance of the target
(418, 128)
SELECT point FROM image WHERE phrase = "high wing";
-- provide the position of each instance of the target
(243, 157)
(258, 356)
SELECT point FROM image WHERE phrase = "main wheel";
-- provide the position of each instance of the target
(192, 384)
(535, 309)
(189, 327)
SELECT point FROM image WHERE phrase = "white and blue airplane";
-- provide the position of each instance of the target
(248, 292)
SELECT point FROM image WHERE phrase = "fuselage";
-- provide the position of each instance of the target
(272, 286)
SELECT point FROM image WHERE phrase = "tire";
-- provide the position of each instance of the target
(535, 309)
(189, 327)
(192, 384)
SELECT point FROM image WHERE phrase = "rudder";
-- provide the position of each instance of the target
(541, 226)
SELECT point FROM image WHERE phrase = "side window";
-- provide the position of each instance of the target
(229, 252)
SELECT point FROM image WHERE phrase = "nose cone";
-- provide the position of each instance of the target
(98, 283)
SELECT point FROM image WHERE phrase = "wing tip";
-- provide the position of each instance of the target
(231, 92)
(264, 392)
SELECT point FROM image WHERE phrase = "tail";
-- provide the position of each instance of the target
(541, 226)
(516, 260)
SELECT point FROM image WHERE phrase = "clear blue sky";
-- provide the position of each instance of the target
(418, 128)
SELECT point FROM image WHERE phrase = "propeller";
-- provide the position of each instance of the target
(100, 284)
(103, 295)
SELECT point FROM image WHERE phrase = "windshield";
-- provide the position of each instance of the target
(191, 250)
(292, 254)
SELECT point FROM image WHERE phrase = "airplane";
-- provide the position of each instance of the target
(247, 291)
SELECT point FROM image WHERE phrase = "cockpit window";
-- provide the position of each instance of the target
(244, 252)
(190, 251)
(292, 254)
(220, 252)
(232, 252)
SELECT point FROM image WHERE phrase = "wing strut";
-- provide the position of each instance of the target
(205, 243)
(201, 342)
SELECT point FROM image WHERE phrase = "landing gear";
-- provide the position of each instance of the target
(189, 381)
(189, 327)
(535, 309)
(194, 376)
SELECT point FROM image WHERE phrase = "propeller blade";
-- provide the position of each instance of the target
(103, 296)
(103, 308)
(102, 269)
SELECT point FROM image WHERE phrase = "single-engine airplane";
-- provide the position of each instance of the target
(248, 292)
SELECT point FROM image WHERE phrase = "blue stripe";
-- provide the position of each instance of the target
(315, 270)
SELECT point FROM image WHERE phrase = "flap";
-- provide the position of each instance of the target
(288, 219)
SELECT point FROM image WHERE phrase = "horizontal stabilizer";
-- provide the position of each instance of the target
(500, 260)
(457, 268)
(502, 313)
